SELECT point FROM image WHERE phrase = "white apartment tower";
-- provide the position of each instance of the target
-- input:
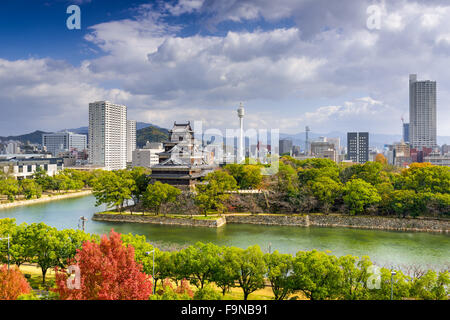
(131, 139)
(108, 135)
(422, 112)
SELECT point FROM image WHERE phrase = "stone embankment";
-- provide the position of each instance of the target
(139, 218)
(45, 198)
(331, 220)
(334, 220)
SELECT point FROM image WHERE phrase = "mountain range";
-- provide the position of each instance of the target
(153, 133)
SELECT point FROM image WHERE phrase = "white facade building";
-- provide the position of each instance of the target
(108, 135)
(12, 148)
(148, 156)
(64, 141)
(422, 113)
(131, 139)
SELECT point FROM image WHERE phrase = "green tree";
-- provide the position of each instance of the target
(279, 267)
(207, 293)
(10, 188)
(431, 286)
(141, 177)
(213, 193)
(226, 273)
(317, 274)
(359, 194)
(41, 177)
(45, 246)
(246, 176)
(326, 191)
(356, 276)
(159, 194)
(250, 267)
(30, 189)
(113, 188)
(200, 262)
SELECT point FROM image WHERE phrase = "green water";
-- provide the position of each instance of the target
(386, 248)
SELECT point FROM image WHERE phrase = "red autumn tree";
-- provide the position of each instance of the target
(108, 271)
(12, 283)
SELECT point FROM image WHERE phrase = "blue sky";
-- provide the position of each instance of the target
(292, 63)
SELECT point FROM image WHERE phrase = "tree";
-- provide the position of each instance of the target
(423, 177)
(356, 276)
(45, 246)
(41, 177)
(246, 176)
(12, 283)
(431, 285)
(108, 271)
(226, 274)
(251, 268)
(326, 190)
(214, 192)
(403, 202)
(30, 189)
(279, 267)
(141, 177)
(317, 275)
(359, 194)
(113, 188)
(159, 194)
(10, 188)
(200, 262)
(401, 286)
(380, 158)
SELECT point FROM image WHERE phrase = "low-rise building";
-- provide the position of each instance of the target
(148, 156)
(25, 167)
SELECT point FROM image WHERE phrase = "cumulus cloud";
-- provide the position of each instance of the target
(327, 69)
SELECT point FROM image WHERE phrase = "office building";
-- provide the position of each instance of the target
(406, 132)
(285, 146)
(358, 147)
(59, 142)
(323, 149)
(108, 135)
(422, 113)
(131, 139)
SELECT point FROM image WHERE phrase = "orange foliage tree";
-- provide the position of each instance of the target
(12, 283)
(108, 271)
(380, 158)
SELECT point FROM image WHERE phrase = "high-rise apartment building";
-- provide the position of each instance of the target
(422, 113)
(131, 139)
(358, 146)
(108, 135)
(64, 141)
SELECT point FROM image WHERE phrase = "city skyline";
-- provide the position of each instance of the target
(189, 60)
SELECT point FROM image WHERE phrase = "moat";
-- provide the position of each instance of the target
(386, 248)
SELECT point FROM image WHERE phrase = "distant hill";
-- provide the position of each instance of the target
(34, 137)
(151, 133)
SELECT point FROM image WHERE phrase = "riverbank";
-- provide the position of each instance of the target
(307, 220)
(46, 198)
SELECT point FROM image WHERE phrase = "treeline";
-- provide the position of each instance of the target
(316, 275)
(321, 185)
(65, 180)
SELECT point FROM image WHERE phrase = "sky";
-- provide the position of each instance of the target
(332, 65)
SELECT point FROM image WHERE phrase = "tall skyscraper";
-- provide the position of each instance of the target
(131, 139)
(108, 135)
(422, 112)
(358, 146)
(64, 141)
